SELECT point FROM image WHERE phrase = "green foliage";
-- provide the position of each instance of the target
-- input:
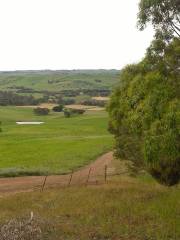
(67, 113)
(145, 112)
(10, 98)
(66, 101)
(144, 109)
(41, 111)
(58, 108)
(163, 14)
(77, 111)
(93, 102)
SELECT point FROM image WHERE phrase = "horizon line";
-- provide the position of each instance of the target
(72, 69)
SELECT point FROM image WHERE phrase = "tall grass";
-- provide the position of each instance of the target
(125, 208)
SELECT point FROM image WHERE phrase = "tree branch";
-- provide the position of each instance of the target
(174, 29)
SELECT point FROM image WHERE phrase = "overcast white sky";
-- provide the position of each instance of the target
(70, 34)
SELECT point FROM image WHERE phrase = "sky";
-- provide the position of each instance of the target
(70, 34)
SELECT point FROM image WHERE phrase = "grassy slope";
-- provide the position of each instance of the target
(57, 146)
(61, 80)
(124, 209)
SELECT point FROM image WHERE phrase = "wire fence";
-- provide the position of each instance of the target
(90, 176)
(83, 177)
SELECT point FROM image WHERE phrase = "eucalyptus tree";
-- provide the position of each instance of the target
(163, 14)
(145, 108)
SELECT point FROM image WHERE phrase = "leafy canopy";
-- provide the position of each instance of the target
(145, 108)
(145, 114)
(163, 14)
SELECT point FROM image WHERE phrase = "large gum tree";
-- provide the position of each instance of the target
(145, 108)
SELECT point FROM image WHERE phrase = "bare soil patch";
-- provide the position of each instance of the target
(101, 98)
(26, 184)
(43, 105)
(72, 106)
(85, 107)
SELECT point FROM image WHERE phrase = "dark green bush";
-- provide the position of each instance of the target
(41, 111)
(67, 113)
(77, 111)
(58, 108)
(94, 102)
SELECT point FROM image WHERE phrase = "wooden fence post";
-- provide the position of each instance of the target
(105, 173)
(70, 179)
(88, 176)
(44, 183)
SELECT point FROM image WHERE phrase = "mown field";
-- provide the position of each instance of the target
(125, 208)
(57, 146)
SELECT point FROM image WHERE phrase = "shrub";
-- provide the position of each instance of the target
(67, 113)
(77, 111)
(58, 108)
(41, 111)
(94, 102)
(65, 101)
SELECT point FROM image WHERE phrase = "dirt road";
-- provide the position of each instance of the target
(25, 184)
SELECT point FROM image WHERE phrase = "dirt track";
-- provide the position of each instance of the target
(25, 184)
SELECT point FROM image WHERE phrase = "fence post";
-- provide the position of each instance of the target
(88, 176)
(70, 179)
(44, 183)
(105, 173)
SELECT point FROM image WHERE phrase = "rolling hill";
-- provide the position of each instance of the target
(38, 82)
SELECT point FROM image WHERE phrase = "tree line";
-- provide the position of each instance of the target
(10, 98)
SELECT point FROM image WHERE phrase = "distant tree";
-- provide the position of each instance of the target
(77, 111)
(67, 113)
(94, 102)
(10, 98)
(58, 108)
(59, 100)
(68, 101)
(41, 111)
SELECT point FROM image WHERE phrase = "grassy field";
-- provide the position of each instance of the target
(57, 146)
(58, 80)
(123, 209)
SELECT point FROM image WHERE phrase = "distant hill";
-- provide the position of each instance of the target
(57, 81)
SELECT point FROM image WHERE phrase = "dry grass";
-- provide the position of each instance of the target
(101, 98)
(43, 105)
(85, 107)
(123, 209)
(72, 106)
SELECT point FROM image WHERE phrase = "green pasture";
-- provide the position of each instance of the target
(57, 146)
(58, 80)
